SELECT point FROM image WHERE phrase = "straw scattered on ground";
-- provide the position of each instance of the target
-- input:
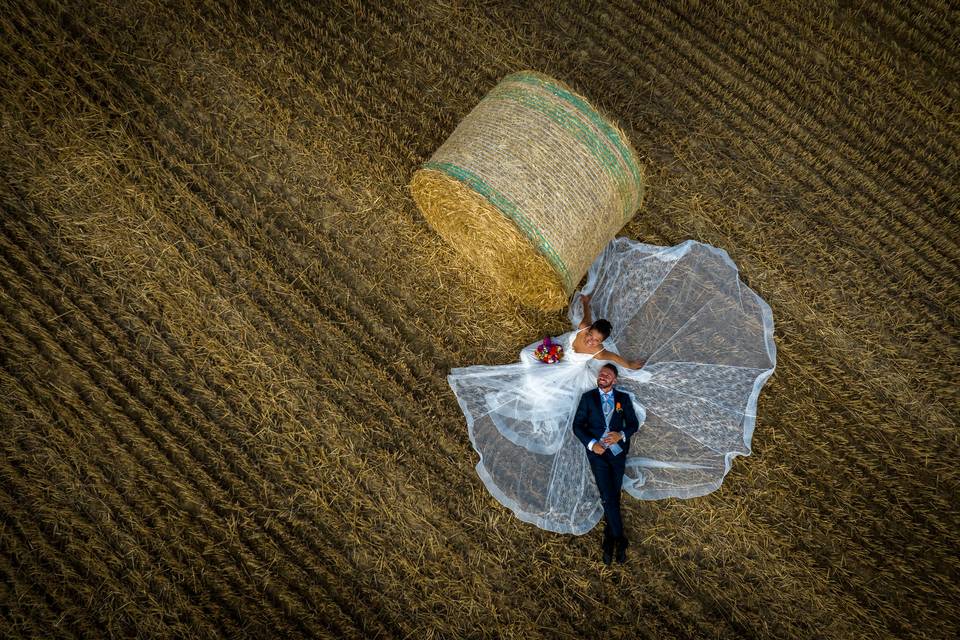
(225, 328)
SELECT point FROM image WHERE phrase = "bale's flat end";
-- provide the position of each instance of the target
(486, 238)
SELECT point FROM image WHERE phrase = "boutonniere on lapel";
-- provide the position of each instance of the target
(618, 408)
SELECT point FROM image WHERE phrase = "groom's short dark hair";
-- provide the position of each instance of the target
(603, 326)
(613, 368)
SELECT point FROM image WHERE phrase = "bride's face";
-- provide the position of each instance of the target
(593, 338)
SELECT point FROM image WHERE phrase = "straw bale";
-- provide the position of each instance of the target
(530, 187)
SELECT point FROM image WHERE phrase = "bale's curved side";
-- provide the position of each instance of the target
(563, 175)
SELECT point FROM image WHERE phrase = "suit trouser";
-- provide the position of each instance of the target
(608, 472)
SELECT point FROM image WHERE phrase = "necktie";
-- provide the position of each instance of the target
(607, 407)
(607, 402)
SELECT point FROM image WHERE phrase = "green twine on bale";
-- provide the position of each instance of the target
(583, 107)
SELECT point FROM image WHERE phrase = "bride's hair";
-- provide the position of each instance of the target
(603, 326)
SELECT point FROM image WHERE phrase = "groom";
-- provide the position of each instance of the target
(604, 423)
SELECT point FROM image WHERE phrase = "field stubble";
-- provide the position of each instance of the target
(224, 329)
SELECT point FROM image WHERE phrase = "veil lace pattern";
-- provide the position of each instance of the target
(708, 342)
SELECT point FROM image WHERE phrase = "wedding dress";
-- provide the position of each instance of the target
(708, 342)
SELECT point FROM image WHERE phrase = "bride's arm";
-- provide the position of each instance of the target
(587, 320)
(613, 357)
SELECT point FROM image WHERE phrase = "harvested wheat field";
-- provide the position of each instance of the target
(225, 329)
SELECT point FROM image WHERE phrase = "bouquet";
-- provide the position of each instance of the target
(548, 351)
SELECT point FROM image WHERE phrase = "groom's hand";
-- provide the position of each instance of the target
(612, 437)
(598, 449)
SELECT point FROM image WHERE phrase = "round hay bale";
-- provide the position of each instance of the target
(531, 186)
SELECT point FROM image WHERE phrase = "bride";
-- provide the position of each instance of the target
(702, 347)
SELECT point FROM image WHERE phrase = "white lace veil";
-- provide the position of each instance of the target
(708, 341)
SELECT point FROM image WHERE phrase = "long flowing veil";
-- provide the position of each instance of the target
(519, 419)
(708, 341)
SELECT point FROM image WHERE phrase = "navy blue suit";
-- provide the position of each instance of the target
(589, 424)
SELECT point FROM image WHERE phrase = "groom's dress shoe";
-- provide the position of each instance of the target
(622, 550)
(607, 550)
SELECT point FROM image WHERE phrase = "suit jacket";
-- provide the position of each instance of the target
(589, 424)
